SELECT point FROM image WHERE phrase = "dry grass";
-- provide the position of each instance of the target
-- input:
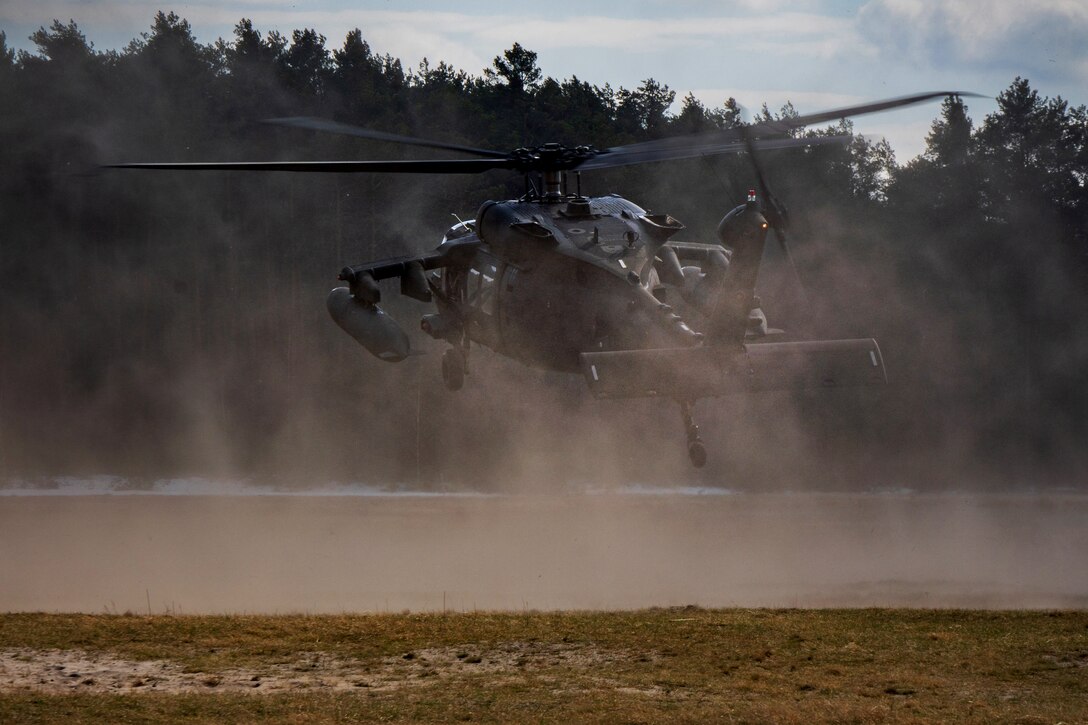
(864, 666)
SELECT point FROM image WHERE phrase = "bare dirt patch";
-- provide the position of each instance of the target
(76, 671)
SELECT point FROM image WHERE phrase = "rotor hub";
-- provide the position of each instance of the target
(551, 157)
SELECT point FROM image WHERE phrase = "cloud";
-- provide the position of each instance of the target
(623, 32)
(1045, 37)
(839, 50)
(414, 33)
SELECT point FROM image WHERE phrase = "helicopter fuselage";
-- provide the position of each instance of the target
(571, 283)
(551, 280)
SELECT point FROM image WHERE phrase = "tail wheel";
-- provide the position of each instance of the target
(453, 369)
(696, 449)
(697, 453)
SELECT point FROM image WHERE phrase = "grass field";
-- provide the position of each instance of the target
(687, 664)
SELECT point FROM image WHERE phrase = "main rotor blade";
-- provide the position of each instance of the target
(788, 124)
(425, 166)
(731, 140)
(546, 158)
(324, 125)
(682, 148)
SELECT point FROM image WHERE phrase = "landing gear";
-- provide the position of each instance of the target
(453, 368)
(696, 449)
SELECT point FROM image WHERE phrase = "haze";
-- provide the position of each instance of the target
(158, 327)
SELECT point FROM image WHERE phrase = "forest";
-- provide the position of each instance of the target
(171, 325)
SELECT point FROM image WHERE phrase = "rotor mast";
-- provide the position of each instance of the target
(553, 185)
(551, 160)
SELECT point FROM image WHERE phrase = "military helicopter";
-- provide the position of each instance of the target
(596, 285)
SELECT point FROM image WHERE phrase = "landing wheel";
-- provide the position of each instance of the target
(696, 449)
(453, 369)
(697, 453)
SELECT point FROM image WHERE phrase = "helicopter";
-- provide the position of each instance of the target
(595, 285)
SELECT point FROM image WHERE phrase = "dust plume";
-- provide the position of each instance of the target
(188, 554)
(165, 326)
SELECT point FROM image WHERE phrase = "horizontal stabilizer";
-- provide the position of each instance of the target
(709, 371)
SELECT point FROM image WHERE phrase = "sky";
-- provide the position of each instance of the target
(817, 54)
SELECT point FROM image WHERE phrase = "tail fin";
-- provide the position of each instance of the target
(744, 230)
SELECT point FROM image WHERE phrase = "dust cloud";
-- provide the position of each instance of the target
(207, 360)
(157, 326)
(625, 548)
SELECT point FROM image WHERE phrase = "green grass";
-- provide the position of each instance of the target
(864, 666)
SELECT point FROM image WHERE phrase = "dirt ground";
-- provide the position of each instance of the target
(682, 664)
(191, 554)
(73, 671)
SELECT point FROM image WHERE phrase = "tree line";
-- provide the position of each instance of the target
(165, 323)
